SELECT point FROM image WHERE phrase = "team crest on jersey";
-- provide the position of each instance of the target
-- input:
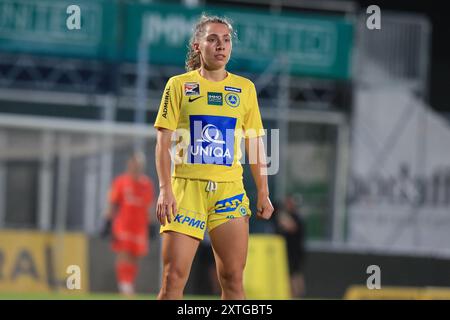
(212, 140)
(232, 100)
(191, 88)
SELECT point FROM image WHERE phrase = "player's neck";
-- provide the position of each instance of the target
(134, 176)
(213, 75)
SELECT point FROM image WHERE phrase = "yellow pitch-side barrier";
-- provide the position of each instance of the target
(397, 293)
(43, 262)
(266, 274)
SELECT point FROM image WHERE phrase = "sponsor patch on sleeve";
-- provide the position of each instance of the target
(234, 89)
(191, 88)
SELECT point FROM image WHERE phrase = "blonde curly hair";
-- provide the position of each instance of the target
(193, 58)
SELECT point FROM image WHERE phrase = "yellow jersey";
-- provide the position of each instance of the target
(210, 119)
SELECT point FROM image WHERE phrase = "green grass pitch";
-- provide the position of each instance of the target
(89, 296)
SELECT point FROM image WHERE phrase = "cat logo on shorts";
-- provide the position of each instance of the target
(229, 204)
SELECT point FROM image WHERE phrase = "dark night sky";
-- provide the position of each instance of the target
(439, 80)
(436, 11)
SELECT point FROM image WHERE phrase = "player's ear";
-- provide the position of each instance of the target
(196, 47)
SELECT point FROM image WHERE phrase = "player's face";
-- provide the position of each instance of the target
(215, 46)
(135, 167)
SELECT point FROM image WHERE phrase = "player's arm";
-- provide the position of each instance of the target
(114, 198)
(258, 168)
(166, 122)
(254, 145)
(111, 210)
(166, 205)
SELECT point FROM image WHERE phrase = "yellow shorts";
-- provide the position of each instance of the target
(204, 204)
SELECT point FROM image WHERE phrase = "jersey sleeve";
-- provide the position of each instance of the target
(252, 124)
(115, 193)
(169, 109)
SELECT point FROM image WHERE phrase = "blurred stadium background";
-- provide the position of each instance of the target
(364, 139)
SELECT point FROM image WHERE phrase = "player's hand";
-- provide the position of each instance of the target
(264, 207)
(166, 208)
(286, 222)
(106, 228)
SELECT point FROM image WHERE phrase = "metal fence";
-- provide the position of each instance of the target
(398, 52)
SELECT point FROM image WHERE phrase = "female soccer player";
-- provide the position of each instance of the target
(130, 197)
(210, 110)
